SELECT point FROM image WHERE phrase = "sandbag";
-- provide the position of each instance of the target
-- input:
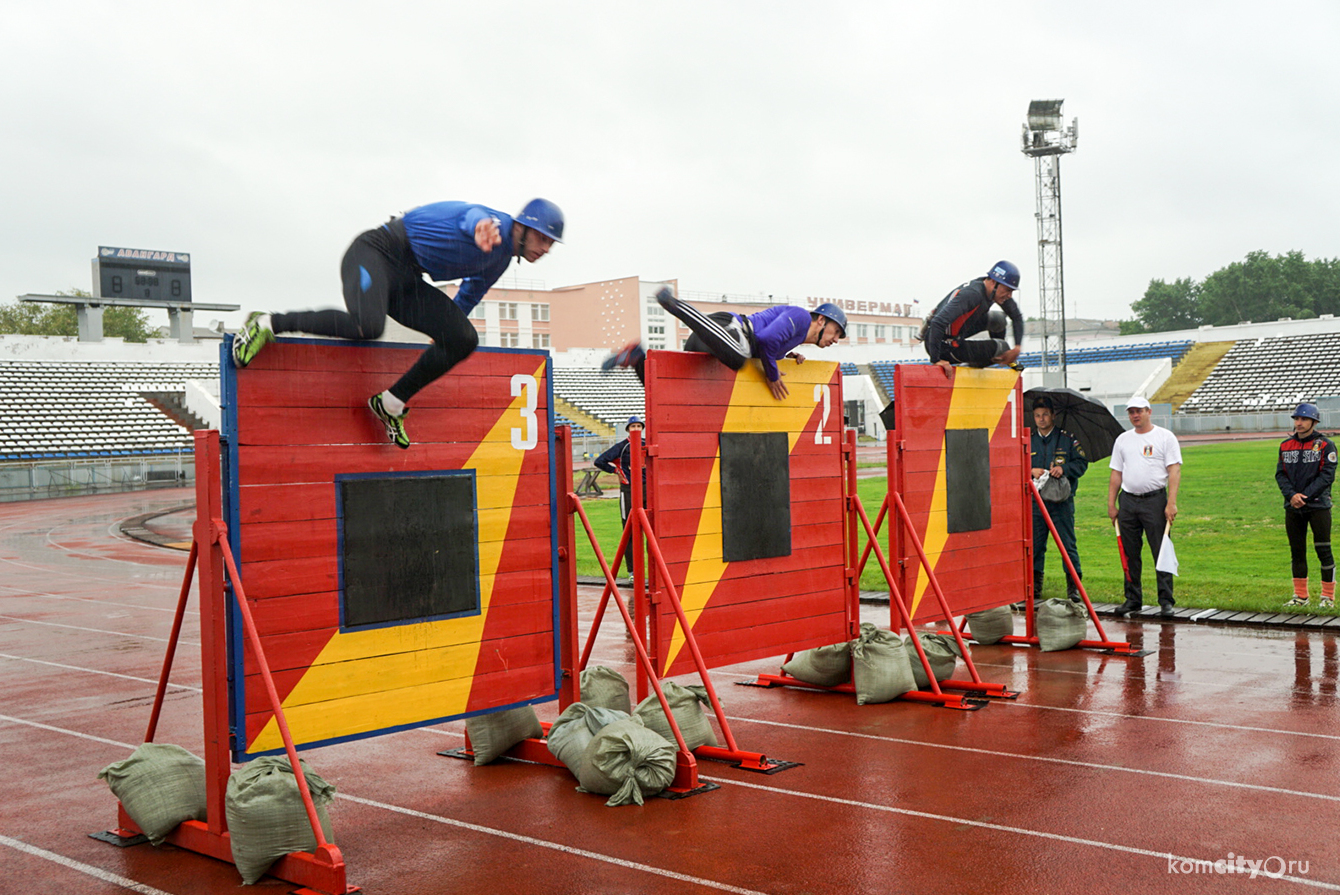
(159, 785)
(266, 817)
(990, 625)
(879, 666)
(575, 728)
(825, 666)
(606, 688)
(941, 651)
(686, 704)
(1060, 624)
(627, 762)
(493, 734)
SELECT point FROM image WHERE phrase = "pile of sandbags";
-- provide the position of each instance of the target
(879, 666)
(1060, 624)
(942, 652)
(612, 752)
(266, 816)
(493, 734)
(160, 786)
(991, 625)
(824, 666)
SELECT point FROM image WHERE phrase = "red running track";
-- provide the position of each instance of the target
(1107, 774)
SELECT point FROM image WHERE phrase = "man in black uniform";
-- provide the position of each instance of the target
(979, 305)
(621, 454)
(1305, 471)
(1056, 454)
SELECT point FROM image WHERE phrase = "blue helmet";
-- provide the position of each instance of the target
(1006, 274)
(544, 217)
(632, 421)
(1308, 412)
(833, 313)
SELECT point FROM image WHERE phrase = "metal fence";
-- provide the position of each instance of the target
(70, 477)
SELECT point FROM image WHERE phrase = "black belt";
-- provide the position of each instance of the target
(1146, 494)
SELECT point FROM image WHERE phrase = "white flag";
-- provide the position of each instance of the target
(1167, 561)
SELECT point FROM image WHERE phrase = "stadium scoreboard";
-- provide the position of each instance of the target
(142, 274)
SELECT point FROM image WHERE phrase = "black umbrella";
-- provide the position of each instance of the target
(1092, 424)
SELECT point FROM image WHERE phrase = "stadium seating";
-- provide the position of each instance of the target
(53, 410)
(1106, 354)
(609, 397)
(1270, 374)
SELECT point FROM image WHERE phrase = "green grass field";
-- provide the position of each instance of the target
(1229, 533)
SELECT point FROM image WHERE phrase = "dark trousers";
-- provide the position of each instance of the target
(1296, 524)
(718, 334)
(626, 510)
(1063, 517)
(973, 352)
(381, 278)
(1144, 515)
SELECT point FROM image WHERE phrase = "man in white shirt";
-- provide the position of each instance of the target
(1146, 471)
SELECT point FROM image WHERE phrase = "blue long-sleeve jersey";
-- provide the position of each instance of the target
(442, 237)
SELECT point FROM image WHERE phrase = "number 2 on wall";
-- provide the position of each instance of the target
(522, 382)
(822, 392)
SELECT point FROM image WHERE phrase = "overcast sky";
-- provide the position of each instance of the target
(851, 150)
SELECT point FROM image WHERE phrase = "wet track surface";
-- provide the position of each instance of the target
(1108, 774)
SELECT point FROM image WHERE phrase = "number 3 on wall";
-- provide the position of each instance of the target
(522, 382)
(821, 392)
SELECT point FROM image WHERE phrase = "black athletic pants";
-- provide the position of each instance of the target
(381, 277)
(1296, 524)
(1137, 515)
(719, 334)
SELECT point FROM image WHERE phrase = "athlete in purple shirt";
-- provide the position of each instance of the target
(383, 273)
(768, 335)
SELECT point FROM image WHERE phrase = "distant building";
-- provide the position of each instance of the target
(612, 313)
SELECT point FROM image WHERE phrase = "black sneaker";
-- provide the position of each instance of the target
(1128, 608)
(1166, 610)
(395, 425)
(251, 339)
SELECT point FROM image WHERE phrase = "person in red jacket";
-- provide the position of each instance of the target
(1305, 471)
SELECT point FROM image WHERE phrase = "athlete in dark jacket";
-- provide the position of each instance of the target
(966, 311)
(1305, 471)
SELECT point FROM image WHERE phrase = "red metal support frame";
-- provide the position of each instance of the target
(318, 873)
(1115, 647)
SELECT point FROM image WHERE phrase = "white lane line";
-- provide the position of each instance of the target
(1065, 761)
(19, 592)
(97, 630)
(143, 680)
(476, 828)
(554, 846)
(87, 869)
(1220, 724)
(73, 733)
(1002, 828)
(1056, 708)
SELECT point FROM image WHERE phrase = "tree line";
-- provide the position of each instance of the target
(38, 319)
(1258, 288)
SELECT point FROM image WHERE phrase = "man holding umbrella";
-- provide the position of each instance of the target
(1057, 455)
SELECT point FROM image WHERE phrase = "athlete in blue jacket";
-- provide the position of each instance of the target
(382, 273)
(1305, 473)
(768, 335)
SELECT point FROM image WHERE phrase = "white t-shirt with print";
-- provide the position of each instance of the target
(1143, 460)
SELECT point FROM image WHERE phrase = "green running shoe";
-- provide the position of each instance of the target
(395, 425)
(251, 339)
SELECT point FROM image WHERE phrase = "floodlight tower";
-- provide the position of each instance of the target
(1046, 139)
